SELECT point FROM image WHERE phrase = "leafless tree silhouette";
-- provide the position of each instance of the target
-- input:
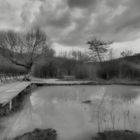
(98, 47)
(24, 49)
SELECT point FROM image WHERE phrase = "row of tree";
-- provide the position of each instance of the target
(24, 48)
(32, 49)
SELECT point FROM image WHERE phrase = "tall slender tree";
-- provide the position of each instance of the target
(98, 48)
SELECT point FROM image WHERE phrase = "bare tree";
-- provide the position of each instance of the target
(110, 54)
(80, 56)
(98, 47)
(24, 49)
(126, 53)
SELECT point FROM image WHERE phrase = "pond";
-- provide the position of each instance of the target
(77, 112)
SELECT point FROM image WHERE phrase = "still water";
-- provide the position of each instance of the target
(77, 112)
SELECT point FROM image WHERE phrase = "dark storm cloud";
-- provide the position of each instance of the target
(123, 26)
(113, 3)
(117, 20)
(130, 19)
(72, 22)
(78, 36)
(61, 17)
(49, 20)
(53, 17)
(82, 3)
(62, 22)
(132, 23)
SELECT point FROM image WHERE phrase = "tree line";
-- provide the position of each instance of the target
(31, 50)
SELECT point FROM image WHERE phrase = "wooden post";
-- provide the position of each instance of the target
(10, 105)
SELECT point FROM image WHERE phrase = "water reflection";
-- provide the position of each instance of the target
(77, 112)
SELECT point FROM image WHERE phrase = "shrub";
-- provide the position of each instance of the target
(38, 134)
(108, 70)
(81, 72)
(47, 69)
(129, 70)
(12, 70)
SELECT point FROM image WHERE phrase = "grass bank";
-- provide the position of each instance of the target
(117, 135)
(39, 134)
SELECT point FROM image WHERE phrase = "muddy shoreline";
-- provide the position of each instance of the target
(51, 134)
(39, 134)
(117, 135)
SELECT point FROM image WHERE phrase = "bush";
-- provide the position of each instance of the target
(108, 70)
(85, 71)
(44, 70)
(12, 70)
(81, 72)
(118, 69)
(129, 70)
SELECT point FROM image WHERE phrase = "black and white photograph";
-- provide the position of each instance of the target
(69, 69)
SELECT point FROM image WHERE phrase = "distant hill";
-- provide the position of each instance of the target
(135, 58)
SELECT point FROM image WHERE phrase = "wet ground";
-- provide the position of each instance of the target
(77, 112)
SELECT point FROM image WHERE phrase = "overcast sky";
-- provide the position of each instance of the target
(70, 23)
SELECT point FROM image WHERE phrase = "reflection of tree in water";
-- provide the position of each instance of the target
(22, 121)
(126, 94)
(2, 128)
(130, 97)
(114, 112)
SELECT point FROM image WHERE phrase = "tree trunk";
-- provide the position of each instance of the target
(99, 57)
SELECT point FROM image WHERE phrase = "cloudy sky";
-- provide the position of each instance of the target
(70, 23)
